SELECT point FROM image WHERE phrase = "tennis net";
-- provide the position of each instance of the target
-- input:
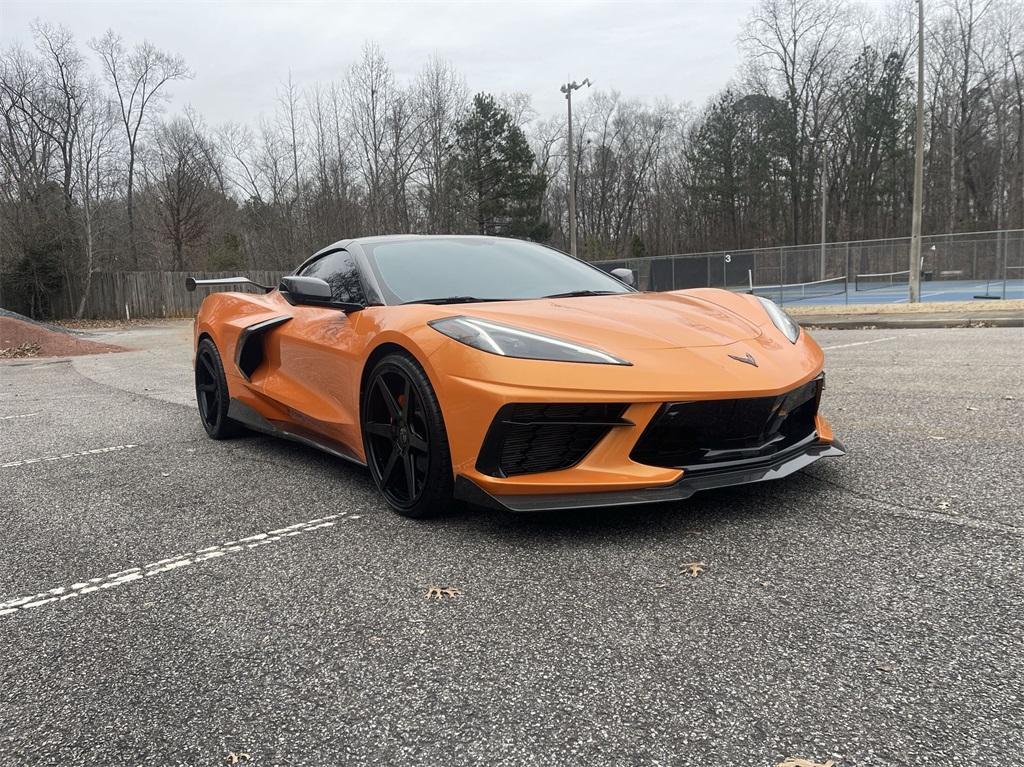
(881, 280)
(803, 291)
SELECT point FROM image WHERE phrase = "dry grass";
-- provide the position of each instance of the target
(938, 307)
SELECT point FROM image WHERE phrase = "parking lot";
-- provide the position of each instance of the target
(170, 600)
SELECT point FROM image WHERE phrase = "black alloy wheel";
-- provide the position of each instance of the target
(212, 393)
(405, 439)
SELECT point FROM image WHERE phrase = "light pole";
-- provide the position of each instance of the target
(567, 89)
(915, 231)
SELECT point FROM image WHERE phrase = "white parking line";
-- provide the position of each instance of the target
(21, 415)
(132, 574)
(858, 343)
(80, 454)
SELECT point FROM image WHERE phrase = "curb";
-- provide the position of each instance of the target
(865, 323)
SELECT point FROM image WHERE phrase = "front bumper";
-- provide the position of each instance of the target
(780, 465)
(611, 473)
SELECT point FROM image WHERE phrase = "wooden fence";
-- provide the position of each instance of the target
(131, 295)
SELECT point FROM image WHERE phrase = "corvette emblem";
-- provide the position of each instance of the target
(747, 358)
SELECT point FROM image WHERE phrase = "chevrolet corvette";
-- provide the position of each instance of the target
(508, 374)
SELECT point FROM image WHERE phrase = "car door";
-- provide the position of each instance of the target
(317, 377)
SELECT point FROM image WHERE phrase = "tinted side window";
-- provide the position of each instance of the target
(338, 270)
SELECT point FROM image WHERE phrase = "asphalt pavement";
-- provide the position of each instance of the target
(170, 600)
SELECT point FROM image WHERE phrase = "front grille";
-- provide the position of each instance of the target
(526, 439)
(707, 433)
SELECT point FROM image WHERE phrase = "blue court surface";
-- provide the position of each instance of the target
(931, 291)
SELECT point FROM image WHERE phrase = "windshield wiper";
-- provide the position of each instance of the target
(455, 300)
(574, 293)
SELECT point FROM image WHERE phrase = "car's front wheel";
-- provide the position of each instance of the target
(405, 439)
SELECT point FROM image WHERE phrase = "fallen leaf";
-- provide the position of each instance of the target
(798, 762)
(24, 350)
(970, 407)
(442, 591)
(692, 568)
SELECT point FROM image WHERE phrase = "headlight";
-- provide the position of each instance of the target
(508, 341)
(782, 321)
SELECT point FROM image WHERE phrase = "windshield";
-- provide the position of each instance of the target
(480, 268)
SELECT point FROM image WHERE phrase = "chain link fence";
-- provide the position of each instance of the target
(984, 257)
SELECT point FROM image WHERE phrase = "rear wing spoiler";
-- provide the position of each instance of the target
(191, 283)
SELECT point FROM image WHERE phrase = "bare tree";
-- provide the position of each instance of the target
(329, 207)
(620, 146)
(404, 155)
(183, 186)
(139, 78)
(342, 144)
(34, 218)
(236, 143)
(288, 116)
(1010, 24)
(94, 153)
(57, 101)
(966, 15)
(370, 90)
(442, 96)
(796, 47)
(520, 106)
(210, 147)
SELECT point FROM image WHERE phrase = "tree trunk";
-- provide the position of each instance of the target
(133, 250)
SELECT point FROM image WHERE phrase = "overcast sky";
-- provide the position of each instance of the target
(242, 51)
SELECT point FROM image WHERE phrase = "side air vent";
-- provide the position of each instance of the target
(249, 352)
(526, 439)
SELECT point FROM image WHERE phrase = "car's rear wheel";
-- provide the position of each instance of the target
(405, 439)
(212, 393)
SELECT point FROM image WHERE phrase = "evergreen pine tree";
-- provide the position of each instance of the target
(494, 168)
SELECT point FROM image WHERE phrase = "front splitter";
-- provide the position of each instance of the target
(690, 483)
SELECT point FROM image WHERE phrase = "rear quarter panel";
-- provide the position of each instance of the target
(223, 316)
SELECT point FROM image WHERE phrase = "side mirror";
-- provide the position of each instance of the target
(624, 275)
(303, 289)
(315, 292)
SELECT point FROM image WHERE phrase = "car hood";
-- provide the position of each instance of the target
(624, 322)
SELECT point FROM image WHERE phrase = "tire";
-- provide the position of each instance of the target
(212, 395)
(404, 435)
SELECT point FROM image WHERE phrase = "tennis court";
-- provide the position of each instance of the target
(954, 267)
(888, 288)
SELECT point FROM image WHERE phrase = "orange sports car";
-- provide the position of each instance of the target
(511, 375)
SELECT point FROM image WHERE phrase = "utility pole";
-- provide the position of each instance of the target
(915, 233)
(824, 210)
(567, 89)
(819, 148)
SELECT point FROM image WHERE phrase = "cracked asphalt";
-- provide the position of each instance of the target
(867, 610)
